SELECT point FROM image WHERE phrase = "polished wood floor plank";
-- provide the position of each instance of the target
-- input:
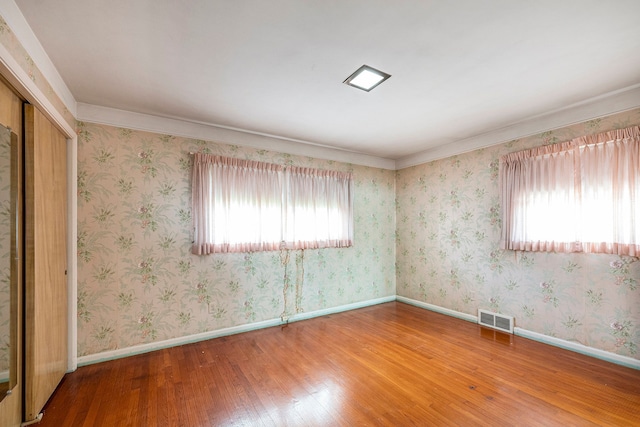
(387, 365)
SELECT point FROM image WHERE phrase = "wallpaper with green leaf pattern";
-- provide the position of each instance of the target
(448, 227)
(138, 282)
(137, 279)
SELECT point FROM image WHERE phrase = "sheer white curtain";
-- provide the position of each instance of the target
(581, 195)
(247, 206)
(237, 205)
(610, 176)
(319, 209)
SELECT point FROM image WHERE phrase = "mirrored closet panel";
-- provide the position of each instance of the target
(11, 254)
(9, 257)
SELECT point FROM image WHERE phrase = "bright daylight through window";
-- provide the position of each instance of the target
(579, 196)
(246, 206)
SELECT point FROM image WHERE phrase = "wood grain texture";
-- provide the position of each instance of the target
(11, 406)
(10, 108)
(46, 260)
(386, 365)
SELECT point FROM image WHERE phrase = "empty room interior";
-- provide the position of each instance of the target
(321, 213)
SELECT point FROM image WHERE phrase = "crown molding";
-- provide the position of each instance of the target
(25, 35)
(188, 129)
(19, 79)
(614, 102)
(593, 108)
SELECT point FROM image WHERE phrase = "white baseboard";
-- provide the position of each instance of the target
(546, 339)
(145, 348)
(579, 348)
(438, 309)
(536, 336)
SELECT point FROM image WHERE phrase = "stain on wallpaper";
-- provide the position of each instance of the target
(137, 279)
(139, 283)
(448, 228)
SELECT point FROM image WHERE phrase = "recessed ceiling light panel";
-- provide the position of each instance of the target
(366, 78)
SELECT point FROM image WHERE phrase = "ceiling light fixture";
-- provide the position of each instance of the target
(366, 78)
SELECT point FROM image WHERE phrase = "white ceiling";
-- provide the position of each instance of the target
(459, 68)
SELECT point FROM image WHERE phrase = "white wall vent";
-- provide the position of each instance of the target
(495, 320)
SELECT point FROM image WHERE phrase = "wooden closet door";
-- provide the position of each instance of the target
(46, 260)
(11, 405)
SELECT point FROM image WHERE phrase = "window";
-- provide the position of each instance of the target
(579, 196)
(246, 206)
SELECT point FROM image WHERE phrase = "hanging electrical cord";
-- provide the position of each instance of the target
(285, 258)
(299, 279)
(284, 261)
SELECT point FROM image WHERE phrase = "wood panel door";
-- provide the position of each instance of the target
(46, 260)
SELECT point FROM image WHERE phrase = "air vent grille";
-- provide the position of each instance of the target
(495, 320)
(487, 318)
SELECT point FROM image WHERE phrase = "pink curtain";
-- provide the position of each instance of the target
(247, 206)
(319, 209)
(236, 205)
(581, 195)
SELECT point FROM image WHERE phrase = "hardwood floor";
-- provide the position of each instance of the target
(386, 365)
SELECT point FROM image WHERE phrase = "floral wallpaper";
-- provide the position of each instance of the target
(437, 242)
(137, 279)
(5, 249)
(448, 228)
(9, 40)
